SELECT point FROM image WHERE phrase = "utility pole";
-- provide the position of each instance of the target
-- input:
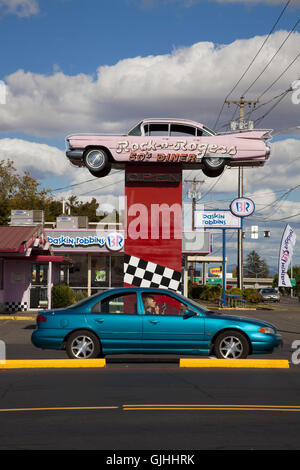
(194, 195)
(242, 126)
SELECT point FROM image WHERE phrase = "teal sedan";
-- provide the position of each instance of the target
(148, 321)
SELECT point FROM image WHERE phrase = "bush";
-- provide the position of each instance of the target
(210, 293)
(253, 298)
(62, 296)
(79, 295)
(235, 291)
(204, 292)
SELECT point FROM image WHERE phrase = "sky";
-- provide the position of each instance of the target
(70, 66)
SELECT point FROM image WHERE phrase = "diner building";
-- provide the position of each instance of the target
(89, 257)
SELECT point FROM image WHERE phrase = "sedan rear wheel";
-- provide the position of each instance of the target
(83, 345)
(231, 345)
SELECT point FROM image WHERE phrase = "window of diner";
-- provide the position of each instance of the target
(1, 273)
(117, 271)
(100, 271)
(78, 271)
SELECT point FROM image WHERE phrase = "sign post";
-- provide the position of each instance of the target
(218, 219)
(225, 219)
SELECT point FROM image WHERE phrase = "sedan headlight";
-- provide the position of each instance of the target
(267, 331)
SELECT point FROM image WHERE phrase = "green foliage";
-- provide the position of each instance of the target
(254, 298)
(19, 192)
(234, 291)
(23, 192)
(79, 295)
(199, 292)
(255, 266)
(62, 296)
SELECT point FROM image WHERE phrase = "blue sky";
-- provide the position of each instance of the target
(78, 36)
(97, 65)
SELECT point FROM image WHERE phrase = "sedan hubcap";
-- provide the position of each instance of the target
(82, 347)
(231, 348)
(95, 159)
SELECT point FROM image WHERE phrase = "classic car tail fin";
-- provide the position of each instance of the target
(263, 134)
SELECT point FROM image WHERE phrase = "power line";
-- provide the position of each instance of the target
(253, 60)
(271, 109)
(102, 187)
(82, 182)
(273, 57)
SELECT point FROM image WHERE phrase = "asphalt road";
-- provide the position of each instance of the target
(150, 403)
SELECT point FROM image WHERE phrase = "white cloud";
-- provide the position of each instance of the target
(190, 82)
(20, 8)
(38, 159)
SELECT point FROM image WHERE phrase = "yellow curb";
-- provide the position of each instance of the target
(238, 363)
(16, 317)
(52, 363)
(233, 308)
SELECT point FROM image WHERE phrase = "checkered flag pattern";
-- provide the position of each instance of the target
(141, 273)
(13, 307)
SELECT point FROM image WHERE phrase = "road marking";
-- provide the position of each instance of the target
(61, 408)
(240, 363)
(51, 363)
(209, 407)
(163, 407)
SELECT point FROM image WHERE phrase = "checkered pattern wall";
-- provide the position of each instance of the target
(142, 273)
(12, 307)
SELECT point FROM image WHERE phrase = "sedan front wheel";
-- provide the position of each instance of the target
(231, 345)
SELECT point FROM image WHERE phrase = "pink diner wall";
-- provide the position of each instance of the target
(16, 281)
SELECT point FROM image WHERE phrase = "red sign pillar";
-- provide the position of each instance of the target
(153, 226)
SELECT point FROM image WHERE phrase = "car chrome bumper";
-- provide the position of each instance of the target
(74, 154)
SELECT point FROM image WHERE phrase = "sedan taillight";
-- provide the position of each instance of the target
(41, 318)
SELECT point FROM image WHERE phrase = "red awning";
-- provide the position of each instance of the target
(16, 239)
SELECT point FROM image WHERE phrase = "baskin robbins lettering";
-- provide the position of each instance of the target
(76, 241)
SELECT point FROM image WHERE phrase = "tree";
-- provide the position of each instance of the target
(255, 266)
(23, 192)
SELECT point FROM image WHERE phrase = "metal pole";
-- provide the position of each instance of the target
(224, 268)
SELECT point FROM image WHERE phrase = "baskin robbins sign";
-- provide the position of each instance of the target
(85, 240)
(242, 207)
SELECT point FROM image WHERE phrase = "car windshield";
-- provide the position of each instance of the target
(136, 130)
(195, 304)
(207, 131)
(269, 291)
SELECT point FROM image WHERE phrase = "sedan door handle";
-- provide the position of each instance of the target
(99, 320)
(153, 321)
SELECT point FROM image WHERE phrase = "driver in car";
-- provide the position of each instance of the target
(150, 305)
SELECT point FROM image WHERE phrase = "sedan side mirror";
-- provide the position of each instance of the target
(189, 313)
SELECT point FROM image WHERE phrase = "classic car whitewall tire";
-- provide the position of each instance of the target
(213, 167)
(97, 161)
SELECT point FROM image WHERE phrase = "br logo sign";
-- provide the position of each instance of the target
(242, 207)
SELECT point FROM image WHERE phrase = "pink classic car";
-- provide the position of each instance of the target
(169, 141)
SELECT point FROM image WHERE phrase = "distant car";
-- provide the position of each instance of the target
(169, 141)
(137, 320)
(270, 295)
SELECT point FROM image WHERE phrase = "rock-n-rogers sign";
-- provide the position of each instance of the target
(142, 151)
